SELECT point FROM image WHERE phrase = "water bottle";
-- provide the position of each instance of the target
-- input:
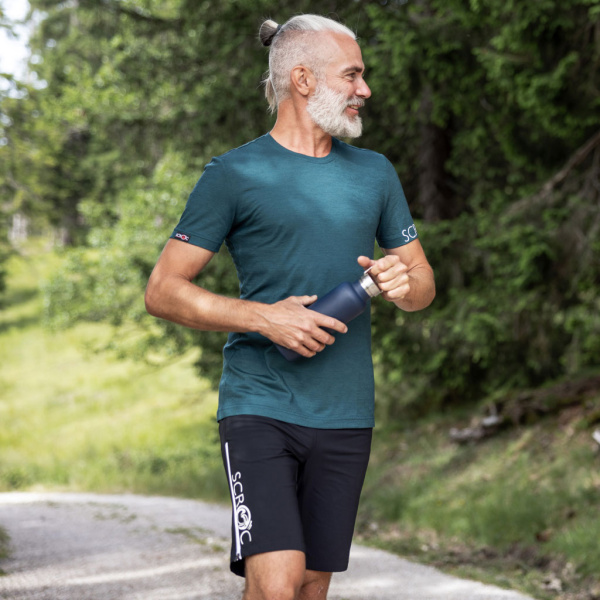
(344, 302)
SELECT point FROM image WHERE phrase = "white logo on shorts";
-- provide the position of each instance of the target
(242, 517)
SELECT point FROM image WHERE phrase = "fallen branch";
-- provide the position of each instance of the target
(578, 157)
(529, 406)
(486, 427)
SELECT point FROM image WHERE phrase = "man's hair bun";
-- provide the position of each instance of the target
(267, 32)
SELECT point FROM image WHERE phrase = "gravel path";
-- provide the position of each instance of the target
(126, 547)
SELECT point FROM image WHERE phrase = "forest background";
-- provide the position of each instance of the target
(490, 112)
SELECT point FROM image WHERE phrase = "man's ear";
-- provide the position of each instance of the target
(303, 80)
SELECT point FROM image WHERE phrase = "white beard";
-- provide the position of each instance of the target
(327, 110)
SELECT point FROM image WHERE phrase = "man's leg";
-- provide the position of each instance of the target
(315, 586)
(275, 576)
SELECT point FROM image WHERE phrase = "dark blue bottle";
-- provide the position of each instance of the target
(344, 302)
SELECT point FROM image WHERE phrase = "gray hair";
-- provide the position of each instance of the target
(293, 44)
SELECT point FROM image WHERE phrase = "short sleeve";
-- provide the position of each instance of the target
(396, 225)
(210, 210)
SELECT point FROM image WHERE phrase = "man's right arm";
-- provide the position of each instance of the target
(171, 295)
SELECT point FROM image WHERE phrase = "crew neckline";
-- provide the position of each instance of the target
(314, 159)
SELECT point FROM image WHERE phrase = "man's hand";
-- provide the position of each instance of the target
(290, 324)
(390, 274)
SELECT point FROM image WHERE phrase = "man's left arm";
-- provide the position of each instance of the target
(404, 276)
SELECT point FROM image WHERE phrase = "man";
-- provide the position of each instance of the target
(299, 211)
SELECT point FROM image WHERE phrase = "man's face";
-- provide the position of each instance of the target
(338, 96)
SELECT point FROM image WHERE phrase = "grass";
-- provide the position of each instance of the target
(78, 419)
(4, 547)
(518, 510)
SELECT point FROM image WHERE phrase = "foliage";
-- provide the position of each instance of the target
(490, 111)
(515, 307)
(491, 101)
(79, 419)
(5, 252)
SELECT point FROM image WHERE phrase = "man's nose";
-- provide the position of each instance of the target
(363, 90)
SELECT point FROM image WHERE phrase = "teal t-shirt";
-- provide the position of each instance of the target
(295, 225)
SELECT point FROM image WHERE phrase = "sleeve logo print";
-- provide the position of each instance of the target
(409, 234)
(182, 236)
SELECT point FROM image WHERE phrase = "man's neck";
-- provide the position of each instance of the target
(296, 132)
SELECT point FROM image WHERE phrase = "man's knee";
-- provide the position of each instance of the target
(274, 576)
(315, 585)
(274, 589)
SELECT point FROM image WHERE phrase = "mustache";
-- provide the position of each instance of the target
(356, 102)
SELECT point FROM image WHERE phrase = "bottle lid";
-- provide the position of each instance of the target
(367, 284)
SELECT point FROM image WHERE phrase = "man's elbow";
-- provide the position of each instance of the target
(152, 298)
(430, 295)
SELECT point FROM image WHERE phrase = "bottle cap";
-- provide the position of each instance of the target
(367, 284)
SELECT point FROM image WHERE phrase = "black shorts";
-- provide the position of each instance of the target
(293, 488)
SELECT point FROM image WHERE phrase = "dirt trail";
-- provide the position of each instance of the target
(126, 547)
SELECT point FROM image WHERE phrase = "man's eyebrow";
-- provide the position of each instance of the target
(353, 69)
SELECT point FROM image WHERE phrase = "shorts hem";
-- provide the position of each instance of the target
(238, 566)
(327, 568)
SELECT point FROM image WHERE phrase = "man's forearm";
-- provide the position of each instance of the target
(422, 289)
(286, 322)
(178, 300)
